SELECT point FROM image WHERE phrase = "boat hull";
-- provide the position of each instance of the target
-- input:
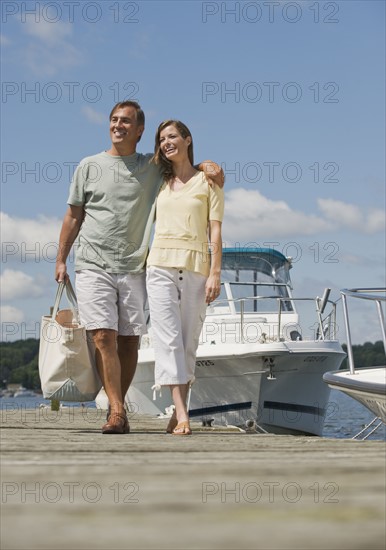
(368, 386)
(276, 386)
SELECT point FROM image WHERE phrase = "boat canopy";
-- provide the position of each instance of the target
(261, 265)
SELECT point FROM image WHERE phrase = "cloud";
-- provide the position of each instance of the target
(10, 314)
(248, 214)
(48, 32)
(17, 284)
(94, 116)
(50, 49)
(350, 216)
(376, 220)
(29, 240)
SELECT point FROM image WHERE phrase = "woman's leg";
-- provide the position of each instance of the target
(193, 311)
(179, 394)
(177, 310)
(164, 303)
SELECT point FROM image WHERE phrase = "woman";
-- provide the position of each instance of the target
(182, 276)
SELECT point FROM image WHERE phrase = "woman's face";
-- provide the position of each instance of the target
(173, 146)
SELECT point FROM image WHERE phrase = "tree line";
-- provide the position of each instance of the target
(19, 361)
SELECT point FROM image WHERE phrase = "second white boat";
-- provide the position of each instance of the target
(366, 385)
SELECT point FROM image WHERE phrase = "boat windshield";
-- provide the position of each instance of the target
(261, 265)
(262, 273)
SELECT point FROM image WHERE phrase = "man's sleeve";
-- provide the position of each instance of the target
(77, 188)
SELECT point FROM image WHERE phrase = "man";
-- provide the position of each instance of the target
(111, 212)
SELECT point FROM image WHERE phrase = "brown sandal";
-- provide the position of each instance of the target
(184, 427)
(116, 424)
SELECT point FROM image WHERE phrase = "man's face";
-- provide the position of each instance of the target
(124, 129)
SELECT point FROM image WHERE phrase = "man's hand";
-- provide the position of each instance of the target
(213, 173)
(61, 274)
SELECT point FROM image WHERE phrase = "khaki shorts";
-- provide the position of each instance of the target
(112, 301)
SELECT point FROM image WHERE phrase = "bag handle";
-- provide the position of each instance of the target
(71, 297)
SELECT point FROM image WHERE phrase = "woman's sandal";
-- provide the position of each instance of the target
(172, 423)
(183, 428)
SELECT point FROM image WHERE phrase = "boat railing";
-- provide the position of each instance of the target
(372, 294)
(326, 326)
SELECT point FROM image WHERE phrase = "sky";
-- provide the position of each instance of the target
(289, 97)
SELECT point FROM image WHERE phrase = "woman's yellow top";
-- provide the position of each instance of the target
(181, 231)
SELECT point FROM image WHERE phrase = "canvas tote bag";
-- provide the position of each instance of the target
(66, 359)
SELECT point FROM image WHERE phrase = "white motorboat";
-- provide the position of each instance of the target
(255, 365)
(366, 385)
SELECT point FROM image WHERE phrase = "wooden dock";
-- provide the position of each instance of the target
(67, 486)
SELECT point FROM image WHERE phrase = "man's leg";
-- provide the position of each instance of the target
(128, 357)
(97, 301)
(131, 323)
(109, 366)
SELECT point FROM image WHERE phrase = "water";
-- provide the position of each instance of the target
(345, 417)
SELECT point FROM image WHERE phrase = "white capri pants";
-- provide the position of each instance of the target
(177, 312)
